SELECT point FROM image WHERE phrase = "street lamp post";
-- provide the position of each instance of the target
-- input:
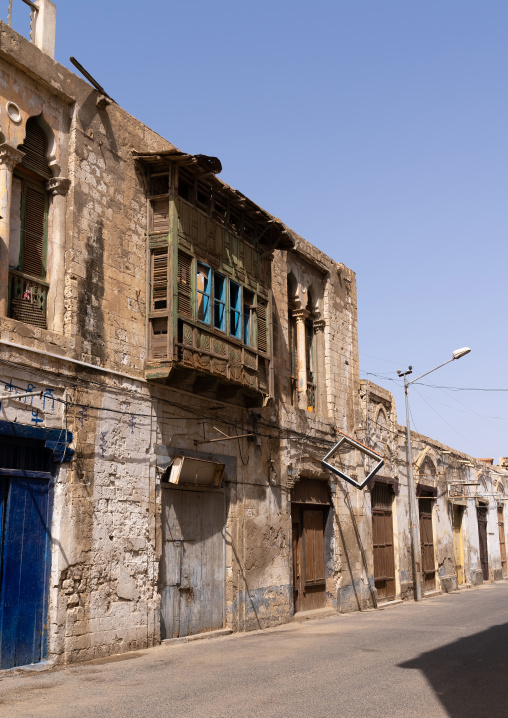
(413, 507)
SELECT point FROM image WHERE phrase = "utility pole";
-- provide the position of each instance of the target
(414, 527)
(413, 504)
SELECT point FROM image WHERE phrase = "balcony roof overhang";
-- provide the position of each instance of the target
(208, 167)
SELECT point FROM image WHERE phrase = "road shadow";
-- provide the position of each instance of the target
(469, 676)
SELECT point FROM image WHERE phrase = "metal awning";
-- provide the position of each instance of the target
(198, 472)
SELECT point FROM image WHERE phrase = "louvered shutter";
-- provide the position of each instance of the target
(262, 327)
(35, 148)
(159, 271)
(160, 215)
(184, 285)
(33, 231)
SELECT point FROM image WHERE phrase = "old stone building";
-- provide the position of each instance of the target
(175, 363)
(461, 505)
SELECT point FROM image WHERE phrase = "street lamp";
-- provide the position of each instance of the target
(413, 509)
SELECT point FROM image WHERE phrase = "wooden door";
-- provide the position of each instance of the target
(382, 539)
(481, 512)
(427, 545)
(192, 565)
(25, 538)
(502, 538)
(458, 547)
(308, 557)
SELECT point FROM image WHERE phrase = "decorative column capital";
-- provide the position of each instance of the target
(319, 325)
(301, 315)
(58, 185)
(10, 156)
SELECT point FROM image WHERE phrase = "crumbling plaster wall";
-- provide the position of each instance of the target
(258, 589)
(333, 287)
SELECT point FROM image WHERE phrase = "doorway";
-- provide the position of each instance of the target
(427, 544)
(458, 545)
(481, 513)
(310, 502)
(192, 572)
(502, 539)
(382, 540)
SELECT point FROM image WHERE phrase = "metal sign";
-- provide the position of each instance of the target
(345, 445)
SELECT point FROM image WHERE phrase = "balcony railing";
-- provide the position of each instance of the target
(33, 11)
(311, 396)
(27, 299)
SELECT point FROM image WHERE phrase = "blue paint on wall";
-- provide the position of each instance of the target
(57, 440)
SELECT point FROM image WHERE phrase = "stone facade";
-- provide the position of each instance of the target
(130, 380)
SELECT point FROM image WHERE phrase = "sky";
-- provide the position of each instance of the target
(376, 129)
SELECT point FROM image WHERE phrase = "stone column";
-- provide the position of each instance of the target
(9, 158)
(320, 366)
(58, 188)
(301, 315)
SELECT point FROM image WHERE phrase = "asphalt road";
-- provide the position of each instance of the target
(445, 657)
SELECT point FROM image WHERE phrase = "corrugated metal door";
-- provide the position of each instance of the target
(382, 538)
(502, 538)
(427, 545)
(481, 513)
(25, 540)
(458, 548)
(192, 565)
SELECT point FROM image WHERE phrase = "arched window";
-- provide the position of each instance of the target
(292, 340)
(310, 351)
(28, 222)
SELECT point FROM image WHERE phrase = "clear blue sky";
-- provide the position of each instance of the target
(374, 128)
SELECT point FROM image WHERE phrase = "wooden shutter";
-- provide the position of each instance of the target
(159, 271)
(262, 328)
(184, 284)
(35, 148)
(33, 231)
(160, 215)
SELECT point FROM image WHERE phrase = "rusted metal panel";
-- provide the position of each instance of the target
(192, 564)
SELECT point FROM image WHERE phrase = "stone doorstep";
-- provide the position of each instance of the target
(45, 665)
(386, 604)
(312, 615)
(432, 594)
(207, 635)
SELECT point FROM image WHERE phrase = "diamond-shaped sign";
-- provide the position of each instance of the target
(343, 461)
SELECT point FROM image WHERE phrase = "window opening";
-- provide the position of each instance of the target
(235, 323)
(203, 293)
(248, 306)
(262, 333)
(28, 240)
(160, 280)
(219, 302)
(184, 284)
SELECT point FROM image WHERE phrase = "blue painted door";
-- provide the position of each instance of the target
(24, 569)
